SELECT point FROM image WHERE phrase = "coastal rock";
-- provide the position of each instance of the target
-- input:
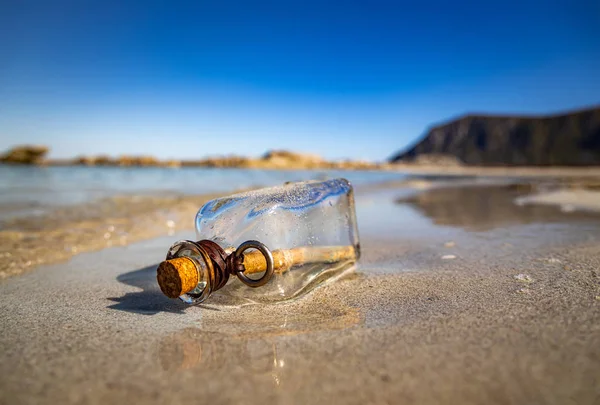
(275, 159)
(355, 165)
(101, 160)
(222, 161)
(566, 140)
(286, 159)
(172, 163)
(142, 161)
(26, 154)
(125, 161)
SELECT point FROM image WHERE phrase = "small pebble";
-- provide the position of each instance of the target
(107, 235)
(111, 228)
(449, 244)
(598, 297)
(524, 290)
(448, 257)
(170, 223)
(553, 260)
(524, 278)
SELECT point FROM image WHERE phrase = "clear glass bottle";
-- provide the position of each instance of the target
(308, 228)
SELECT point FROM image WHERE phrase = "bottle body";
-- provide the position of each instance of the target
(313, 223)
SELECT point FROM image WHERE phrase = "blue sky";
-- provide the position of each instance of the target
(342, 79)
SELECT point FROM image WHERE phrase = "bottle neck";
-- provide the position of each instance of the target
(193, 270)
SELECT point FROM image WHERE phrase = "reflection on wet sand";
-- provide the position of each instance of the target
(256, 340)
(482, 208)
(192, 348)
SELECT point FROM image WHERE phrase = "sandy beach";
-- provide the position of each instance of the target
(461, 296)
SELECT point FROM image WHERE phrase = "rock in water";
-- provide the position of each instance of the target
(571, 139)
(26, 154)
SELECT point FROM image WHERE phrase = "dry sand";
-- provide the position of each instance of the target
(457, 300)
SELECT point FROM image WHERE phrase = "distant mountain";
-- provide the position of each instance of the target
(571, 139)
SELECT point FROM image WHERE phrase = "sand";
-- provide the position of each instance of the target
(29, 241)
(456, 300)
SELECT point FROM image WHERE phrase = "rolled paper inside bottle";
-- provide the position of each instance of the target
(179, 276)
(285, 259)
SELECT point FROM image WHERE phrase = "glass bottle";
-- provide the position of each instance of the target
(301, 233)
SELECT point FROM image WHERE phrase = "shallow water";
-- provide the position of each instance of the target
(48, 214)
(32, 190)
(414, 230)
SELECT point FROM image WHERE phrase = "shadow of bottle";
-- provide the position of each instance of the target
(150, 300)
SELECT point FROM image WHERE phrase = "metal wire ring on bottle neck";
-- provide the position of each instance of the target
(253, 244)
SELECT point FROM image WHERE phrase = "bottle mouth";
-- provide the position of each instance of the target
(177, 276)
(193, 267)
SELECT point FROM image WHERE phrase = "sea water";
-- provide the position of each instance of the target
(47, 214)
(33, 190)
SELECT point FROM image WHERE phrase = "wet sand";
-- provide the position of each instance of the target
(460, 297)
(29, 241)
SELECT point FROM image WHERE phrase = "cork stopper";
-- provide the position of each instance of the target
(177, 276)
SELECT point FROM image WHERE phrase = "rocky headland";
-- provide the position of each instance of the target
(571, 139)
